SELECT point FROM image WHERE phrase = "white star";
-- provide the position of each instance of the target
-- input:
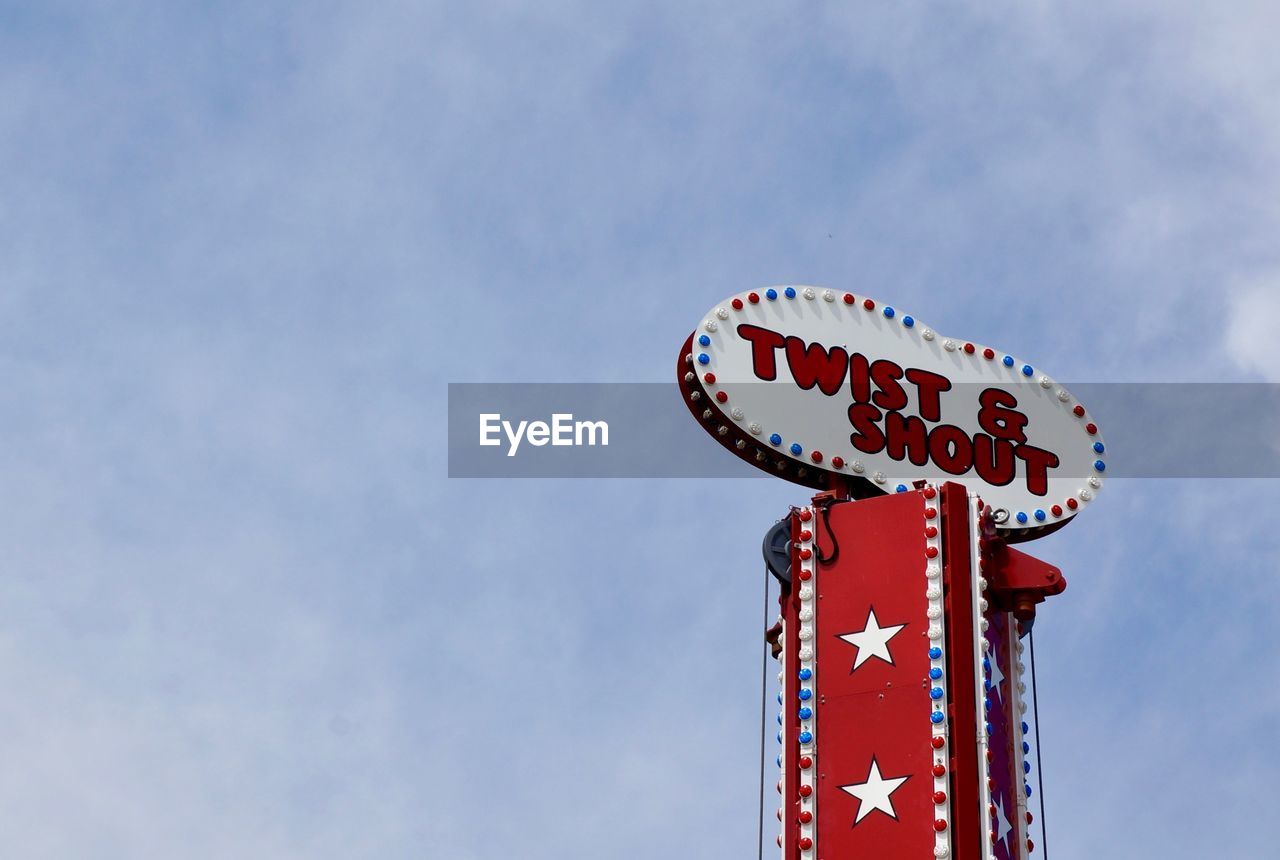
(875, 793)
(1002, 822)
(997, 677)
(873, 641)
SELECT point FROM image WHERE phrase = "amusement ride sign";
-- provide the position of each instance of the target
(821, 387)
(903, 727)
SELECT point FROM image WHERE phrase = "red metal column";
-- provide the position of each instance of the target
(958, 579)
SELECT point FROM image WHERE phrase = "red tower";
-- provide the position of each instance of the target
(902, 731)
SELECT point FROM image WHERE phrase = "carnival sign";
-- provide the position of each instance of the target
(824, 387)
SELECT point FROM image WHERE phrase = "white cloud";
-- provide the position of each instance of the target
(1252, 332)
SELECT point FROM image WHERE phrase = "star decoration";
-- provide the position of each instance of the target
(875, 793)
(872, 641)
(997, 677)
(1002, 822)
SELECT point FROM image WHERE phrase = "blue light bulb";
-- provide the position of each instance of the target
(1026, 370)
(936, 693)
(775, 438)
(1008, 361)
(1022, 516)
(1100, 466)
(703, 358)
(796, 449)
(935, 653)
(806, 674)
(779, 698)
(806, 713)
(936, 717)
(1025, 728)
(908, 322)
(806, 737)
(888, 312)
(935, 673)
(1098, 447)
(1026, 747)
(1028, 787)
(805, 694)
(771, 294)
(902, 488)
(704, 340)
(791, 292)
(779, 719)
(1026, 767)
(1040, 515)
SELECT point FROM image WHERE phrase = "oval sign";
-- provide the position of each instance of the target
(809, 384)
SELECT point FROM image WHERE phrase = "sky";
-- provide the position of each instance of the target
(245, 246)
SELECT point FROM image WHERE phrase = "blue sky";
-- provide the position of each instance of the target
(243, 247)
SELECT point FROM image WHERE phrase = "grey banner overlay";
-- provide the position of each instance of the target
(1152, 430)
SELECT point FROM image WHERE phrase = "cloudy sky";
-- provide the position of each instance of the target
(244, 247)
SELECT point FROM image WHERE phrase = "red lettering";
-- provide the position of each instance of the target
(763, 345)
(860, 378)
(1001, 422)
(1039, 462)
(993, 459)
(928, 388)
(906, 437)
(815, 365)
(891, 395)
(951, 449)
(866, 435)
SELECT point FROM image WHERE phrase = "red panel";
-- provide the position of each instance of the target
(789, 802)
(873, 752)
(1006, 814)
(957, 572)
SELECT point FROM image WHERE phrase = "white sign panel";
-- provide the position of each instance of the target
(802, 380)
